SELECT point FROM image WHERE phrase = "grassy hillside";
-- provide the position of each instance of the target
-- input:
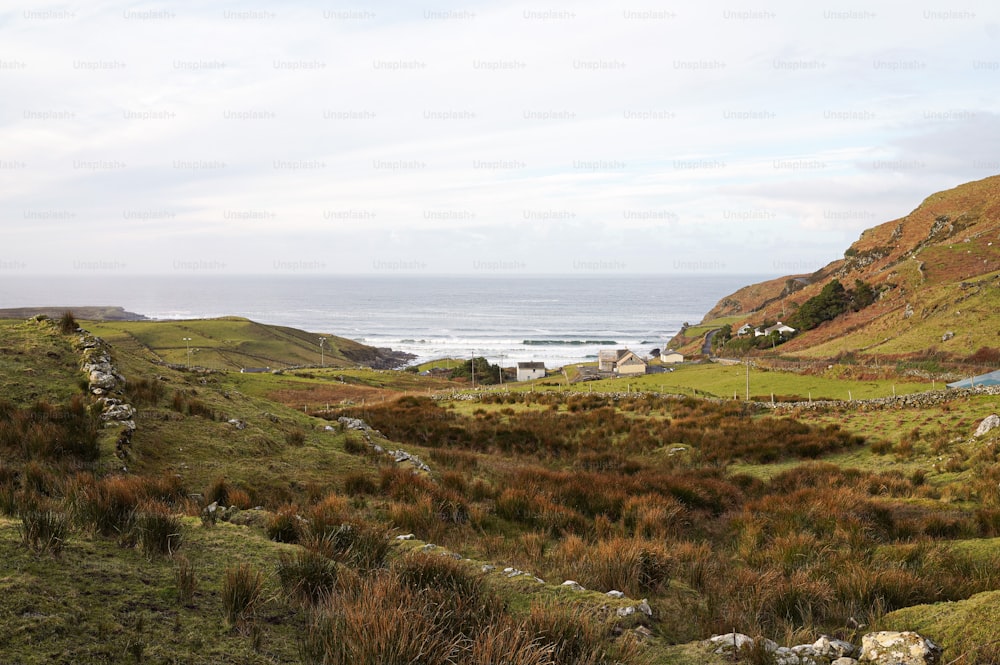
(233, 343)
(936, 271)
(815, 516)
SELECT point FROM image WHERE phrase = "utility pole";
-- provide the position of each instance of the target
(747, 361)
(501, 369)
(473, 366)
(322, 358)
(187, 355)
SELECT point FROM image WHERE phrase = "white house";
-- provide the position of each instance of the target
(671, 356)
(745, 329)
(530, 370)
(779, 327)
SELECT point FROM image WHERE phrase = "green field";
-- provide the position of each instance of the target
(725, 381)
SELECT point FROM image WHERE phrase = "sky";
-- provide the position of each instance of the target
(503, 138)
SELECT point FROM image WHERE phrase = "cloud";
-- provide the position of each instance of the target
(496, 130)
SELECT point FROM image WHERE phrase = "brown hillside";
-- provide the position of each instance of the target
(937, 270)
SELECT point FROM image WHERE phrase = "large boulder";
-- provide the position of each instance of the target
(898, 648)
(989, 423)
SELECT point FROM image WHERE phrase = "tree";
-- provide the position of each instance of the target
(831, 302)
(862, 295)
(724, 335)
(485, 372)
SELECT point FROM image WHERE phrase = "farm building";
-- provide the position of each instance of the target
(527, 371)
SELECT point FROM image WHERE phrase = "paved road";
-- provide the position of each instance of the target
(706, 348)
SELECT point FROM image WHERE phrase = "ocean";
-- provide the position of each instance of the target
(554, 319)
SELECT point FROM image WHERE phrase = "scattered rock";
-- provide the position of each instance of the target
(575, 586)
(642, 607)
(354, 424)
(884, 648)
(948, 335)
(407, 536)
(729, 642)
(830, 648)
(898, 648)
(615, 594)
(238, 424)
(989, 423)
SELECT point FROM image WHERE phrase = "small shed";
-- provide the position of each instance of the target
(670, 356)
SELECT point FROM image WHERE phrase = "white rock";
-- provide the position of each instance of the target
(729, 642)
(825, 647)
(406, 536)
(989, 423)
(898, 648)
(615, 594)
(575, 586)
(844, 661)
(804, 650)
(785, 656)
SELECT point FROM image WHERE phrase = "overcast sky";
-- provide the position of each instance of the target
(495, 138)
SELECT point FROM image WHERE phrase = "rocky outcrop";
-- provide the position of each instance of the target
(882, 648)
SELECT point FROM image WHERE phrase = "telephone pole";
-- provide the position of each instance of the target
(747, 361)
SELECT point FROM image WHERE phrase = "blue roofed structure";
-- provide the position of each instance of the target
(989, 379)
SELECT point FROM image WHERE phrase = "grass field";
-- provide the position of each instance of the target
(723, 381)
(232, 343)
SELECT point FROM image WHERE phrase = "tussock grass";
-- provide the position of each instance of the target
(242, 595)
(44, 530)
(187, 583)
(157, 530)
(307, 575)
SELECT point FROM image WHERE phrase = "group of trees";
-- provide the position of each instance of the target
(486, 373)
(831, 302)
